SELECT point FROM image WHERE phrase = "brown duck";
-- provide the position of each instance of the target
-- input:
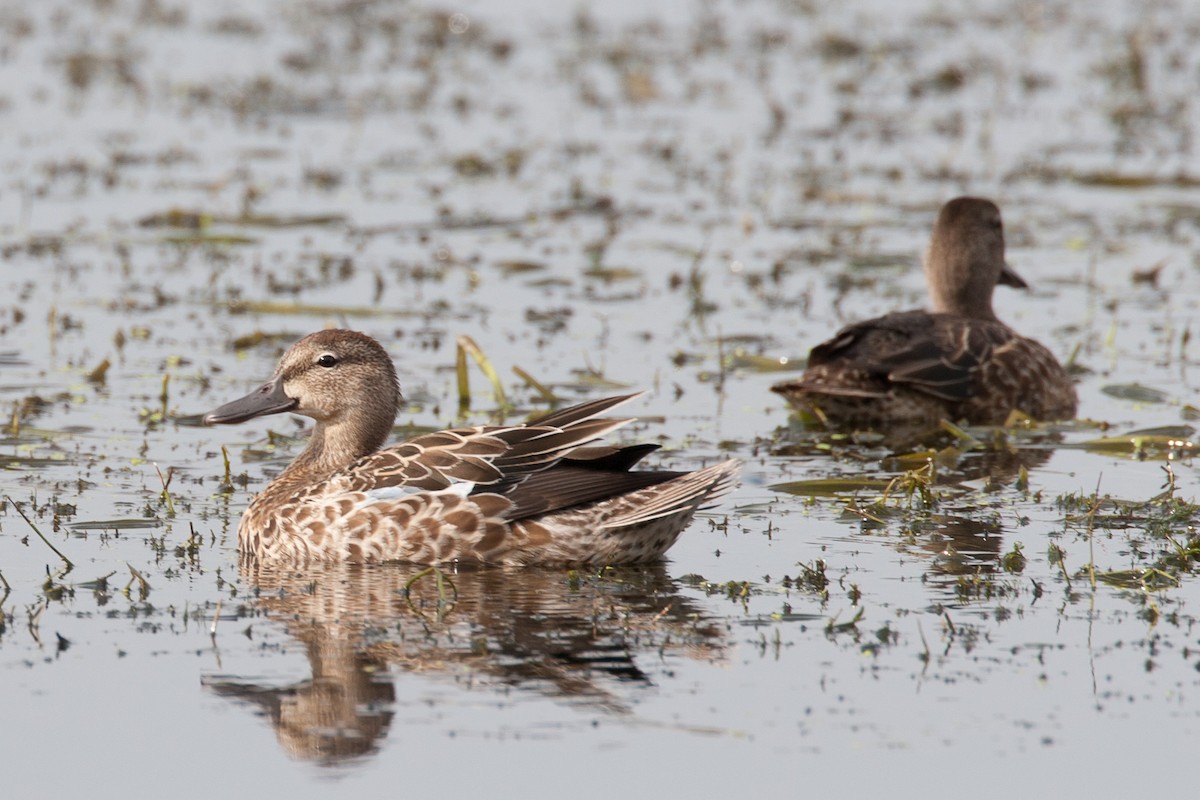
(957, 362)
(536, 493)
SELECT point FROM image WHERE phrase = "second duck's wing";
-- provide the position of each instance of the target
(937, 354)
(946, 360)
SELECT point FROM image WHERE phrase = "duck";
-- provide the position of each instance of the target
(535, 493)
(956, 362)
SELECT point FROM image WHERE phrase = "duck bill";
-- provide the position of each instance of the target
(1009, 277)
(267, 399)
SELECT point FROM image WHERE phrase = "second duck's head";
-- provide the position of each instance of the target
(966, 258)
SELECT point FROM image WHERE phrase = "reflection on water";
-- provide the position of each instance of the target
(962, 547)
(571, 636)
(933, 495)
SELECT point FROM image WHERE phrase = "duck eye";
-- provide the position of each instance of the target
(327, 360)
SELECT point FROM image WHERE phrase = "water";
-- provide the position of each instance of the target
(604, 198)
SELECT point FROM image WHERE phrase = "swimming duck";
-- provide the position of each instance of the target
(956, 362)
(535, 493)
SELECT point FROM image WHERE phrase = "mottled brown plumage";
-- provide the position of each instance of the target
(536, 493)
(957, 362)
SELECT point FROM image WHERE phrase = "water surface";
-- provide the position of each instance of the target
(665, 196)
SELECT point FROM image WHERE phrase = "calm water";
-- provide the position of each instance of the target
(658, 195)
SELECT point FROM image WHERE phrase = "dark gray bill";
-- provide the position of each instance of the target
(1009, 277)
(267, 399)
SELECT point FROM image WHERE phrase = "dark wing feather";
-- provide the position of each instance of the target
(609, 457)
(937, 354)
(946, 363)
(568, 485)
(863, 342)
(942, 362)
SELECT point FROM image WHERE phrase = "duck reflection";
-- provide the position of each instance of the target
(963, 540)
(572, 636)
(961, 547)
(996, 458)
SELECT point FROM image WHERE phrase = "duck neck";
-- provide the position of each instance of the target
(331, 447)
(961, 273)
(962, 299)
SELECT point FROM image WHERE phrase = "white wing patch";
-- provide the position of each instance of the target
(387, 493)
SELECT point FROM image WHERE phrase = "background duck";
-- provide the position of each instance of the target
(956, 362)
(519, 494)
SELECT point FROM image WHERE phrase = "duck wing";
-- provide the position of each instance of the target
(485, 455)
(937, 354)
(587, 475)
(945, 361)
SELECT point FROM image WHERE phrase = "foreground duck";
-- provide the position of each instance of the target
(535, 493)
(957, 362)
